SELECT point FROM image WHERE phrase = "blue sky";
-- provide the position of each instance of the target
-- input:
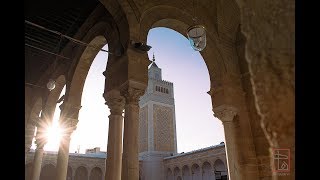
(196, 126)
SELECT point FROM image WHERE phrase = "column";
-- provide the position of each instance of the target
(115, 103)
(29, 134)
(40, 141)
(226, 114)
(130, 157)
(68, 122)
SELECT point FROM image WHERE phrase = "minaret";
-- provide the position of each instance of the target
(157, 114)
(157, 125)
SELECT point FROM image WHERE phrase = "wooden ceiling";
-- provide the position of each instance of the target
(41, 45)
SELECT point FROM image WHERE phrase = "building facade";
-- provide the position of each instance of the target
(158, 157)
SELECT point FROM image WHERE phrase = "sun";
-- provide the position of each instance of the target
(53, 136)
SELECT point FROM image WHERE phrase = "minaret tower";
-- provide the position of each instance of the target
(157, 114)
(157, 125)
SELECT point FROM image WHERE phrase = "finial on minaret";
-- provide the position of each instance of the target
(153, 58)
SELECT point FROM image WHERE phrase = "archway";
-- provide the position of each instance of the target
(187, 70)
(81, 173)
(50, 112)
(207, 172)
(195, 171)
(48, 172)
(176, 173)
(94, 112)
(75, 89)
(186, 173)
(227, 89)
(169, 175)
(220, 170)
(96, 174)
(69, 173)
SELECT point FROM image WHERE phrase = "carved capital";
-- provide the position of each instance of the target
(70, 107)
(132, 95)
(70, 124)
(115, 102)
(132, 91)
(69, 110)
(225, 113)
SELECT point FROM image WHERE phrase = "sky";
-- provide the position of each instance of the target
(195, 124)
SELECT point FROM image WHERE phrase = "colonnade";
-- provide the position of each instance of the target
(121, 163)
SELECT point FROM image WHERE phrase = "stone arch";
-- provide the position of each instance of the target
(28, 171)
(119, 16)
(48, 172)
(96, 174)
(51, 101)
(69, 173)
(74, 91)
(98, 36)
(218, 164)
(169, 174)
(195, 171)
(186, 173)
(81, 173)
(220, 169)
(176, 172)
(178, 20)
(207, 171)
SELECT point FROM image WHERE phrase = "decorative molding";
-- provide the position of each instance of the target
(132, 95)
(71, 123)
(132, 91)
(115, 102)
(68, 106)
(225, 113)
(69, 110)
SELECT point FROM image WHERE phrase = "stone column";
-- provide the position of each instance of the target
(68, 122)
(130, 157)
(114, 151)
(226, 114)
(41, 140)
(29, 134)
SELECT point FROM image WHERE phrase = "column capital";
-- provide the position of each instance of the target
(70, 107)
(70, 124)
(69, 115)
(132, 91)
(225, 113)
(114, 101)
